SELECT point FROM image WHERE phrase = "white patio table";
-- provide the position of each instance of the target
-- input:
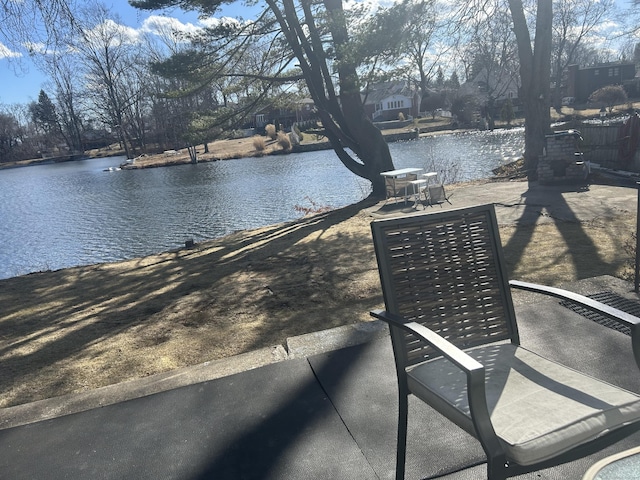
(394, 175)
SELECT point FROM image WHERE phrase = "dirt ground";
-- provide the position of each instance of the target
(82, 328)
(218, 150)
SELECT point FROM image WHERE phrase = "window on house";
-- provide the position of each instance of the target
(596, 72)
(616, 72)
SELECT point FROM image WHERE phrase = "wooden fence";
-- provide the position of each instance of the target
(601, 144)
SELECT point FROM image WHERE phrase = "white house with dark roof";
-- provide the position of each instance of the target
(385, 101)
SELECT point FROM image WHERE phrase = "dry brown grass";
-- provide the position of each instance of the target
(270, 131)
(284, 141)
(259, 143)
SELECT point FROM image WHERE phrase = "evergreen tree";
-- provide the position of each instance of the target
(454, 81)
(46, 119)
(506, 114)
(440, 78)
(44, 115)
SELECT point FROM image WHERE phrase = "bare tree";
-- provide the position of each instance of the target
(428, 39)
(10, 133)
(107, 52)
(491, 47)
(41, 30)
(62, 71)
(16, 133)
(32, 26)
(573, 22)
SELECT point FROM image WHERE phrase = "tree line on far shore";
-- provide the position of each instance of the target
(169, 88)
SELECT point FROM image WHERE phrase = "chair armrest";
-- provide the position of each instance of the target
(619, 316)
(612, 313)
(439, 343)
(473, 369)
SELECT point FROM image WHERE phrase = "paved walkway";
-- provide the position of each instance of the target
(520, 203)
(323, 408)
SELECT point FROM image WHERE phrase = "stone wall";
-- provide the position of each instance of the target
(562, 161)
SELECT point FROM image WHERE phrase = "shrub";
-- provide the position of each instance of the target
(284, 141)
(609, 96)
(259, 143)
(464, 108)
(506, 113)
(270, 130)
(313, 209)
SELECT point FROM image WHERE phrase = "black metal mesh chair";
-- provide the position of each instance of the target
(456, 347)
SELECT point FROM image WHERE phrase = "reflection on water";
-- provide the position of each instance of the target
(57, 216)
(463, 156)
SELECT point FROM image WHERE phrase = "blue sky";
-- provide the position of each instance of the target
(22, 87)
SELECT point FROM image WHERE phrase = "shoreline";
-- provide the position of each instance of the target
(509, 175)
(230, 149)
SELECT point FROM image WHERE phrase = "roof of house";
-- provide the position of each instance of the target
(602, 65)
(378, 92)
(499, 82)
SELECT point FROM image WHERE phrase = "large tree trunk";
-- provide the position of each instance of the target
(369, 144)
(535, 76)
(359, 145)
(537, 125)
(353, 129)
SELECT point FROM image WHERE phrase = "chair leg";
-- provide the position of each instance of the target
(496, 469)
(401, 451)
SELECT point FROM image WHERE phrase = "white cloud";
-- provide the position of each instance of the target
(6, 52)
(115, 33)
(213, 22)
(36, 47)
(161, 25)
(172, 28)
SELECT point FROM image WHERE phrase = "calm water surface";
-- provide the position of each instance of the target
(63, 215)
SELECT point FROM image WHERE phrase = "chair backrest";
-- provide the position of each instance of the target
(390, 186)
(436, 193)
(399, 186)
(445, 270)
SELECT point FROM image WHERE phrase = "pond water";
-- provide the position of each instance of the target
(62, 215)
